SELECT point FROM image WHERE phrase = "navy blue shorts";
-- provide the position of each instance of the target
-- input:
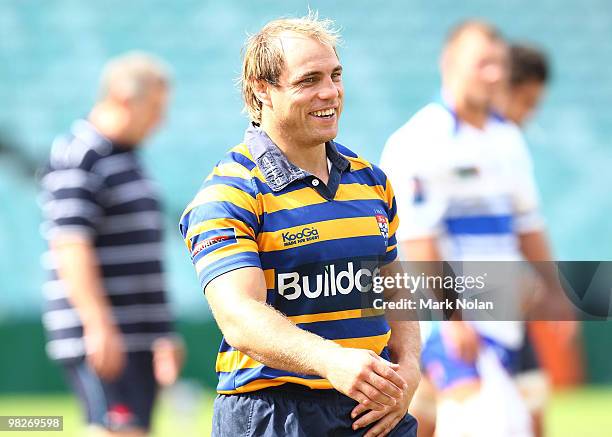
(294, 411)
(119, 405)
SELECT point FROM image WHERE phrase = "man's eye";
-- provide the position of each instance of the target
(337, 76)
(308, 80)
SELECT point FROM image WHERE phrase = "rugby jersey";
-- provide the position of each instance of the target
(473, 189)
(318, 246)
(98, 189)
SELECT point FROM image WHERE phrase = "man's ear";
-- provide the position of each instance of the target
(261, 89)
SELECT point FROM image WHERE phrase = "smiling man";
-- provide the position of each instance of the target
(286, 234)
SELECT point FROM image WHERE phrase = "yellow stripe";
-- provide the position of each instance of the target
(224, 193)
(258, 384)
(270, 276)
(360, 192)
(231, 169)
(390, 248)
(375, 343)
(358, 163)
(233, 360)
(243, 245)
(327, 230)
(241, 228)
(242, 149)
(294, 199)
(336, 315)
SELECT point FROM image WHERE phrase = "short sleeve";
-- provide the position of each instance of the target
(69, 200)
(219, 228)
(420, 199)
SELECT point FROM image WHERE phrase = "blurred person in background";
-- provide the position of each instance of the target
(465, 190)
(280, 211)
(107, 316)
(529, 76)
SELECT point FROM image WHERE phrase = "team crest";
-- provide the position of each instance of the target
(383, 225)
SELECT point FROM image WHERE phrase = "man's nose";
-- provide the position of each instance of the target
(329, 89)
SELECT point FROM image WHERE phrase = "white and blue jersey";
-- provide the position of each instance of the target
(471, 189)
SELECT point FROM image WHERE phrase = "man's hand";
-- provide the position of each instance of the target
(168, 357)
(364, 376)
(462, 339)
(389, 417)
(105, 351)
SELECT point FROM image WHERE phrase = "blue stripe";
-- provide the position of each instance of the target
(243, 185)
(227, 264)
(390, 256)
(495, 224)
(362, 176)
(238, 158)
(240, 377)
(345, 150)
(325, 251)
(337, 209)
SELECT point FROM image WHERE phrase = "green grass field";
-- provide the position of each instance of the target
(577, 413)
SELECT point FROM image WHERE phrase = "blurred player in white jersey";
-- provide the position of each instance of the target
(464, 183)
(529, 76)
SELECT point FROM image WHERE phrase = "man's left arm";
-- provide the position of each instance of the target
(405, 348)
(535, 249)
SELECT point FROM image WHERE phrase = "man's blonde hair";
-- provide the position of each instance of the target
(263, 56)
(132, 75)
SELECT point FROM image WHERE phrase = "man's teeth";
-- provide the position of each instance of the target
(324, 112)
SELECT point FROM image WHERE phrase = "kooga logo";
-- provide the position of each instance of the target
(327, 283)
(306, 234)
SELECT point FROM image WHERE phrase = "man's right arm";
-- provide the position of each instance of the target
(237, 299)
(78, 269)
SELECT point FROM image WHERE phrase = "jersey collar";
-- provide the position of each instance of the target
(445, 100)
(278, 171)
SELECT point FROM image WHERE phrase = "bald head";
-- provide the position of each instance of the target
(133, 97)
(474, 64)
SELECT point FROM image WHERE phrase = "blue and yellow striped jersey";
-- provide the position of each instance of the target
(318, 246)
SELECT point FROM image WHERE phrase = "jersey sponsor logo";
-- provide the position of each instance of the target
(330, 280)
(305, 234)
(229, 234)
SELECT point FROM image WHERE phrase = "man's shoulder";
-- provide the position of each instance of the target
(79, 148)
(236, 170)
(237, 161)
(359, 163)
(431, 121)
(420, 137)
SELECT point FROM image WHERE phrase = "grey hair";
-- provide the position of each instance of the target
(133, 74)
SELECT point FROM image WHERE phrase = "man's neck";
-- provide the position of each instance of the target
(109, 123)
(472, 115)
(313, 159)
